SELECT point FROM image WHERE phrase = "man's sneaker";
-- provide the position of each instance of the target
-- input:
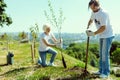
(97, 73)
(51, 64)
(103, 76)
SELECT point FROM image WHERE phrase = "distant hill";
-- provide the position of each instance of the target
(68, 38)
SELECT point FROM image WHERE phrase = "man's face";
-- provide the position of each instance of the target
(93, 7)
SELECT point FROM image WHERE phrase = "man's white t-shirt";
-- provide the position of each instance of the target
(101, 18)
(43, 46)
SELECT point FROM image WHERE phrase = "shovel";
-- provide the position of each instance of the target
(86, 60)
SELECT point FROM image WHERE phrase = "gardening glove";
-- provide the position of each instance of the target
(90, 33)
(60, 40)
(59, 44)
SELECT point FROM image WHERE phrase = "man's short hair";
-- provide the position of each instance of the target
(95, 2)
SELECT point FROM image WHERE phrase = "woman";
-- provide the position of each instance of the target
(45, 46)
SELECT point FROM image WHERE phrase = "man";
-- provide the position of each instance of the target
(45, 46)
(105, 32)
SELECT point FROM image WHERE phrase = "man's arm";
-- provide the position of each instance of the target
(100, 30)
(89, 23)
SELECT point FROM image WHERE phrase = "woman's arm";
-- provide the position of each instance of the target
(54, 39)
(46, 43)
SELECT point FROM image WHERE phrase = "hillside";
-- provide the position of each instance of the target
(24, 69)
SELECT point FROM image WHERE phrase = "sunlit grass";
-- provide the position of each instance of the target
(23, 68)
(23, 63)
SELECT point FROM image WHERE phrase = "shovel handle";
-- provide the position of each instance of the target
(87, 53)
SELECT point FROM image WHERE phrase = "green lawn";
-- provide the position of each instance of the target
(24, 69)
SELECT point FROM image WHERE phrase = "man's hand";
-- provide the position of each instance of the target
(90, 33)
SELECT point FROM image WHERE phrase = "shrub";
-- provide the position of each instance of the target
(114, 46)
(78, 51)
(94, 49)
(116, 56)
(92, 63)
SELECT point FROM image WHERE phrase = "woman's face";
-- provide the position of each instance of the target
(48, 30)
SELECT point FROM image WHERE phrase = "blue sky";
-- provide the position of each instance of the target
(26, 13)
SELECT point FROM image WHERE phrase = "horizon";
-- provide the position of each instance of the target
(56, 32)
(76, 15)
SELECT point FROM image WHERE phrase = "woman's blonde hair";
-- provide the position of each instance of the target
(45, 26)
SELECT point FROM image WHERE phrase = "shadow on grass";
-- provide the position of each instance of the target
(17, 70)
(1, 65)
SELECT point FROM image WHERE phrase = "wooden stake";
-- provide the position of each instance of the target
(34, 49)
(32, 53)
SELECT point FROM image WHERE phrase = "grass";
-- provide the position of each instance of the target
(24, 69)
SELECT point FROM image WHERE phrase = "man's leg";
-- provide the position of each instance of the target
(107, 44)
(100, 54)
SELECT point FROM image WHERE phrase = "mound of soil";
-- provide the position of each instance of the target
(81, 74)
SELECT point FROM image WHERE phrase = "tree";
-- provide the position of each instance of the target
(114, 46)
(4, 36)
(34, 32)
(53, 19)
(22, 35)
(4, 19)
